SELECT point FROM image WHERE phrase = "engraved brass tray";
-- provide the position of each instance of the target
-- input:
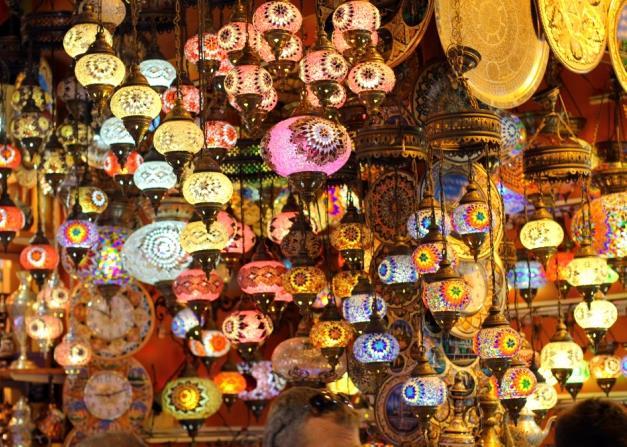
(513, 57)
(617, 20)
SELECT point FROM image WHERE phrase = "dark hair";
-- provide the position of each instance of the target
(593, 422)
(109, 439)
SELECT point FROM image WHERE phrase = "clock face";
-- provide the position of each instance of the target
(110, 319)
(116, 327)
(108, 395)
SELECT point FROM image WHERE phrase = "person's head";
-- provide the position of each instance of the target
(307, 417)
(109, 439)
(593, 422)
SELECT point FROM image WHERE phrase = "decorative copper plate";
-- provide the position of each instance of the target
(513, 57)
(617, 35)
(576, 31)
(389, 204)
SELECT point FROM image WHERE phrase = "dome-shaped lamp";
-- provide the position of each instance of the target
(205, 245)
(424, 391)
(277, 21)
(357, 20)
(195, 285)
(471, 219)
(446, 295)
(306, 149)
(304, 281)
(39, 258)
(430, 252)
(518, 383)
(247, 329)
(100, 71)
(605, 368)
(289, 55)
(10, 160)
(496, 343)
(331, 334)
(189, 95)
(114, 134)
(357, 309)
(75, 137)
(350, 237)
(83, 31)
(398, 273)
(136, 104)
(12, 219)
(376, 348)
(527, 276)
(212, 345)
(586, 272)
(205, 52)
(73, 353)
(122, 173)
(154, 177)
(233, 36)
(158, 71)
(178, 138)
(220, 138)
(561, 355)
(543, 398)
(230, 382)
(31, 128)
(77, 235)
(186, 324)
(541, 235)
(371, 79)
(595, 319)
(43, 326)
(55, 163)
(419, 223)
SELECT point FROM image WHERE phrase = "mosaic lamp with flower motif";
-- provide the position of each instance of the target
(277, 21)
(419, 222)
(430, 252)
(516, 385)
(205, 52)
(595, 319)
(446, 295)
(196, 285)
(371, 79)
(77, 235)
(154, 177)
(606, 369)
(205, 245)
(527, 277)
(350, 237)
(304, 281)
(541, 235)
(424, 391)
(31, 128)
(575, 382)
(10, 160)
(39, 258)
(247, 329)
(561, 355)
(83, 31)
(471, 218)
(357, 309)
(497, 342)
(586, 272)
(357, 20)
(12, 219)
(376, 348)
(73, 353)
(331, 334)
(230, 382)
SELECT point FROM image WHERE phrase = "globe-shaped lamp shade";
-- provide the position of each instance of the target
(211, 51)
(114, 132)
(232, 36)
(132, 100)
(195, 238)
(72, 132)
(184, 322)
(247, 326)
(230, 382)
(428, 255)
(154, 175)
(525, 275)
(39, 257)
(44, 327)
(277, 15)
(92, 200)
(418, 223)
(55, 295)
(358, 308)
(69, 90)
(202, 187)
(330, 334)
(356, 15)
(586, 271)
(543, 398)
(112, 165)
(247, 80)
(77, 233)
(212, 344)
(605, 366)
(79, 37)
(496, 342)
(450, 295)
(473, 217)
(242, 241)
(397, 269)
(194, 285)
(297, 360)
(73, 352)
(178, 135)
(10, 157)
(424, 391)
(158, 72)
(376, 347)
(608, 214)
(306, 143)
(33, 125)
(304, 279)
(323, 65)
(190, 97)
(341, 44)
(371, 76)
(280, 225)
(11, 217)
(268, 102)
(268, 383)
(93, 69)
(220, 135)
(336, 100)
(350, 236)
(153, 253)
(343, 283)
(599, 314)
(541, 234)
(560, 355)
(517, 382)
(113, 11)
(261, 277)
(191, 398)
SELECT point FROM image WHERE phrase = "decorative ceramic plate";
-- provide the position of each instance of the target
(390, 201)
(116, 327)
(617, 39)
(513, 57)
(395, 419)
(120, 389)
(576, 31)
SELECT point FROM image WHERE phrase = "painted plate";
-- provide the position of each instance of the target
(617, 39)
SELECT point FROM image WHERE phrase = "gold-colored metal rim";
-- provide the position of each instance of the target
(613, 19)
(496, 90)
(550, 31)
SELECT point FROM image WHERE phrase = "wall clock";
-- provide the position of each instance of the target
(114, 396)
(116, 327)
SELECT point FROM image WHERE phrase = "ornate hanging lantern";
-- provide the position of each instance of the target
(331, 334)
(430, 253)
(595, 319)
(123, 174)
(247, 329)
(220, 138)
(586, 272)
(376, 348)
(210, 57)
(114, 134)
(357, 20)
(496, 343)
(561, 355)
(446, 295)
(212, 344)
(99, 70)
(136, 104)
(371, 79)
(350, 237)
(262, 278)
(154, 177)
(543, 398)
(424, 391)
(10, 160)
(304, 281)
(290, 54)
(398, 273)
(541, 235)
(605, 368)
(575, 382)
(39, 258)
(205, 244)
(277, 21)
(186, 324)
(516, 385)
(77, 236)
(82, 34)
(528, 277)
(419, 223)
(189, 95)
(31, 128)
(357, 309)
(12, 219)
(158, 71)
(230, 382)
(196, 285)
(74, 96)
(73, 353)
(233, 36)
(471, 219)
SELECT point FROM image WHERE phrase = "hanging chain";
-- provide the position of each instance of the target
(491, 231)
(134, 14)
(177, 47)
(442, 210)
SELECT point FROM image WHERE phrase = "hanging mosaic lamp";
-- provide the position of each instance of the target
(516, 385)
(247, 329)
(376, 348)
(605, 368)
(188, 94)
(212, 345)
(31, 128)
(114, 134)
(371, 79)
(39, 258)
(446, 295)
(122, 174)
(304, 281)
(430, 252)
(586, 272)
(73, 353)
(527, 277)
(205, 52)
(154, 177)
(186, 324)
(99, 70)
(357, 20)
(10, 160)
(595, 319)
(398, 273)
(77, 236)
(230, 382)
(471, 219)
(350, 238)
(12, 219)
(331, 334)
(82, 34)
(157, 70)
(205, 245)
(419, 222)
(195, 285)
(541, 235)
(543, 398)
(575, 382)
(561, 355)
(496, 343)
(278, 21)
(281, 223)
(357, 309)
(424, 391)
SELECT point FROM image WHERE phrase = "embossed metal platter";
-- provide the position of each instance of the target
(513, 56)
